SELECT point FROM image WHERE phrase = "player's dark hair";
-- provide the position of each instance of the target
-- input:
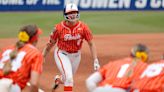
(139, 48)
(31, 30)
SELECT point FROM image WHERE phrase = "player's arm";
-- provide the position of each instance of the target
(48, 47)
(89, 38)
(162, 57)
(94, 54)
(34, 81)
(36, 71)
(51, 42)
(92, 49)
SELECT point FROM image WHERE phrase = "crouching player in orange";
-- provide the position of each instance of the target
(22, 62)
(116, 76)
(151, 79)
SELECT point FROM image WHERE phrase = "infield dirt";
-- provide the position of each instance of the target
(109, 47)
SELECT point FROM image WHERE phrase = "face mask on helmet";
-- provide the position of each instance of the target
(71, 13)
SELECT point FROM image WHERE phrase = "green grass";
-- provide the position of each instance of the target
(99, 22)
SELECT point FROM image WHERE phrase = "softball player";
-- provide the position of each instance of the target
(69, 35)
(21, 62)
(151, 79)
(117, 75)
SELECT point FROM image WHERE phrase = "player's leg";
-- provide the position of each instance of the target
(93, 80)
(5, 84)
(75, 61)
(64, 65)
(15, 88)
(109, 88)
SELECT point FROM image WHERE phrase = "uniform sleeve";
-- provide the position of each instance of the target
(54, 34)
(103, 71)
(37, 64)
(87, 33)
(53, 37)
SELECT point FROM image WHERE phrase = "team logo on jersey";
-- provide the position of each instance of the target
(70, 37)
(79, 29)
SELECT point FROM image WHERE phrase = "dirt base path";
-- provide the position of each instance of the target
(109, 47)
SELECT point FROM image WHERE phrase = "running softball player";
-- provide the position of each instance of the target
(22, 62)
(69, 35)
(117, 75)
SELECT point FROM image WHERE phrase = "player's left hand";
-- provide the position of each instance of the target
(96, 64)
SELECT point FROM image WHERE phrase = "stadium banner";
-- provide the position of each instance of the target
(53, 5)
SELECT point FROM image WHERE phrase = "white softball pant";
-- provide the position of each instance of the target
(93, 81)
(6, 85)
(109, 89)
(67, 64)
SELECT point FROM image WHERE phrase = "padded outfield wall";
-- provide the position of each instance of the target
(57, 5)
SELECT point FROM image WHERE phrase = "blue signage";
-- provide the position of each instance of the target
(31, 5)
(52, 5)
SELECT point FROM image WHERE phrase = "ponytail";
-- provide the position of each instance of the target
(27, 34)
(8, 65)
(18, 45)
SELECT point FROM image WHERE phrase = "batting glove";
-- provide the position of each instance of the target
(96, 64)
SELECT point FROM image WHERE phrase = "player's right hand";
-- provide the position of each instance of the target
(96, 65)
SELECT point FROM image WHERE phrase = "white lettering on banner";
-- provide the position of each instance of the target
(100, 3)
(51, 2)
(113, 3)
(124, 3)
(85, 3)
(70, 1)
(11, 2)
(155, 3)
(140, 3)
(152, 70)
(31, 2)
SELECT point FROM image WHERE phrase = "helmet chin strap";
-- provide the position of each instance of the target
(72, 21)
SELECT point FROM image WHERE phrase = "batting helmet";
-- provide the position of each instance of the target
(140, 51)
(71, 7)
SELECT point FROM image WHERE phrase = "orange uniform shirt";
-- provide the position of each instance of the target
(28, 59)
(70, 39)
(115, 73)
(152, 78)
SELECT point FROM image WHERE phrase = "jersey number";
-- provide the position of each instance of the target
(16, 63)
(122, 71)
(152, 70)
